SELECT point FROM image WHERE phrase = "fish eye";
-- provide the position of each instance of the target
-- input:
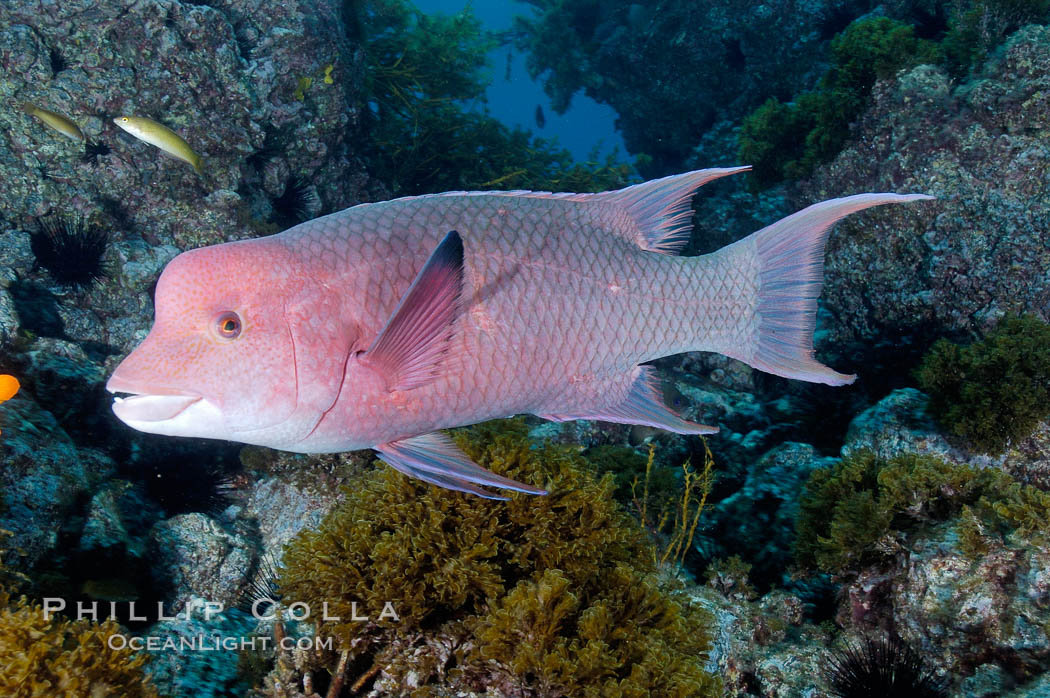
(124, 119)
(229, 325)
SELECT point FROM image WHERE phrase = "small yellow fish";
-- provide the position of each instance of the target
(161, 136)
(55, 121)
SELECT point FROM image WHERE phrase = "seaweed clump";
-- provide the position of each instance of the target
(978, 26)
(554, 595)
(58, 658)
(50, 657)
(419, 69)
(70, 249)
(787, 141)
(859, 511)
(995, 391)
(878, 668)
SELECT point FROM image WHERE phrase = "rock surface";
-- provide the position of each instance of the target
(263, 92)
(956, 264)
(757, 522)
(196, 556)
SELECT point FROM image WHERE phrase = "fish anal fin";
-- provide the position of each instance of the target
(409, 349)
(434, 458)
(643, 405)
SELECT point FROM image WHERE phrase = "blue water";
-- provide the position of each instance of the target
(585, 126)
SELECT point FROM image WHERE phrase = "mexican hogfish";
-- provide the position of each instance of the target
(377, 326)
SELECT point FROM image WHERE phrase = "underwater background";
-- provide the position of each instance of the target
(889, 537)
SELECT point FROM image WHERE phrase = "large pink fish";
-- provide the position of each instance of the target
(379, 325)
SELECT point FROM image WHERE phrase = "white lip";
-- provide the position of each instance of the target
(170, 415)
(151, 408)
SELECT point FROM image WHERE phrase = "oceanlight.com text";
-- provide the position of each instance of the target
(214, 643)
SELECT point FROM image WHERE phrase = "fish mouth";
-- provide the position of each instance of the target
(134, 403)
(145, 407)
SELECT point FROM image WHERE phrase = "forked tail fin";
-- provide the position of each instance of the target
(788, 257)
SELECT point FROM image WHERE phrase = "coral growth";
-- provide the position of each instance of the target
(995, 391)
(460, 567)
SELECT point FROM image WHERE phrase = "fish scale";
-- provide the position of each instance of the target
(380, 325)
(533, 253)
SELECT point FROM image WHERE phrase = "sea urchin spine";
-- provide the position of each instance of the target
(880, 668)
(294, 205)
(70, 250)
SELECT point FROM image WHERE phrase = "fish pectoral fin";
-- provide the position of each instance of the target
(410, 348)
(641, 404)
(434, 458)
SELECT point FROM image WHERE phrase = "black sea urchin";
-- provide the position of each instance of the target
(70, 249)
(93, 150)
(880, 668)
(262, 592)
(58, 61)
(293, 206)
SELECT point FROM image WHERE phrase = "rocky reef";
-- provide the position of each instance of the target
(978, 252)
(897, 519)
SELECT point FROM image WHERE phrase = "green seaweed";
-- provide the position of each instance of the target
(461, 566)
(995, 391)
(978, 26)
(787, 141)
(856, 513)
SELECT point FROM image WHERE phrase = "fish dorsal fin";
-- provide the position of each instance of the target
(661, 208)
(408, 351)
(640, 404)
(434, 458)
